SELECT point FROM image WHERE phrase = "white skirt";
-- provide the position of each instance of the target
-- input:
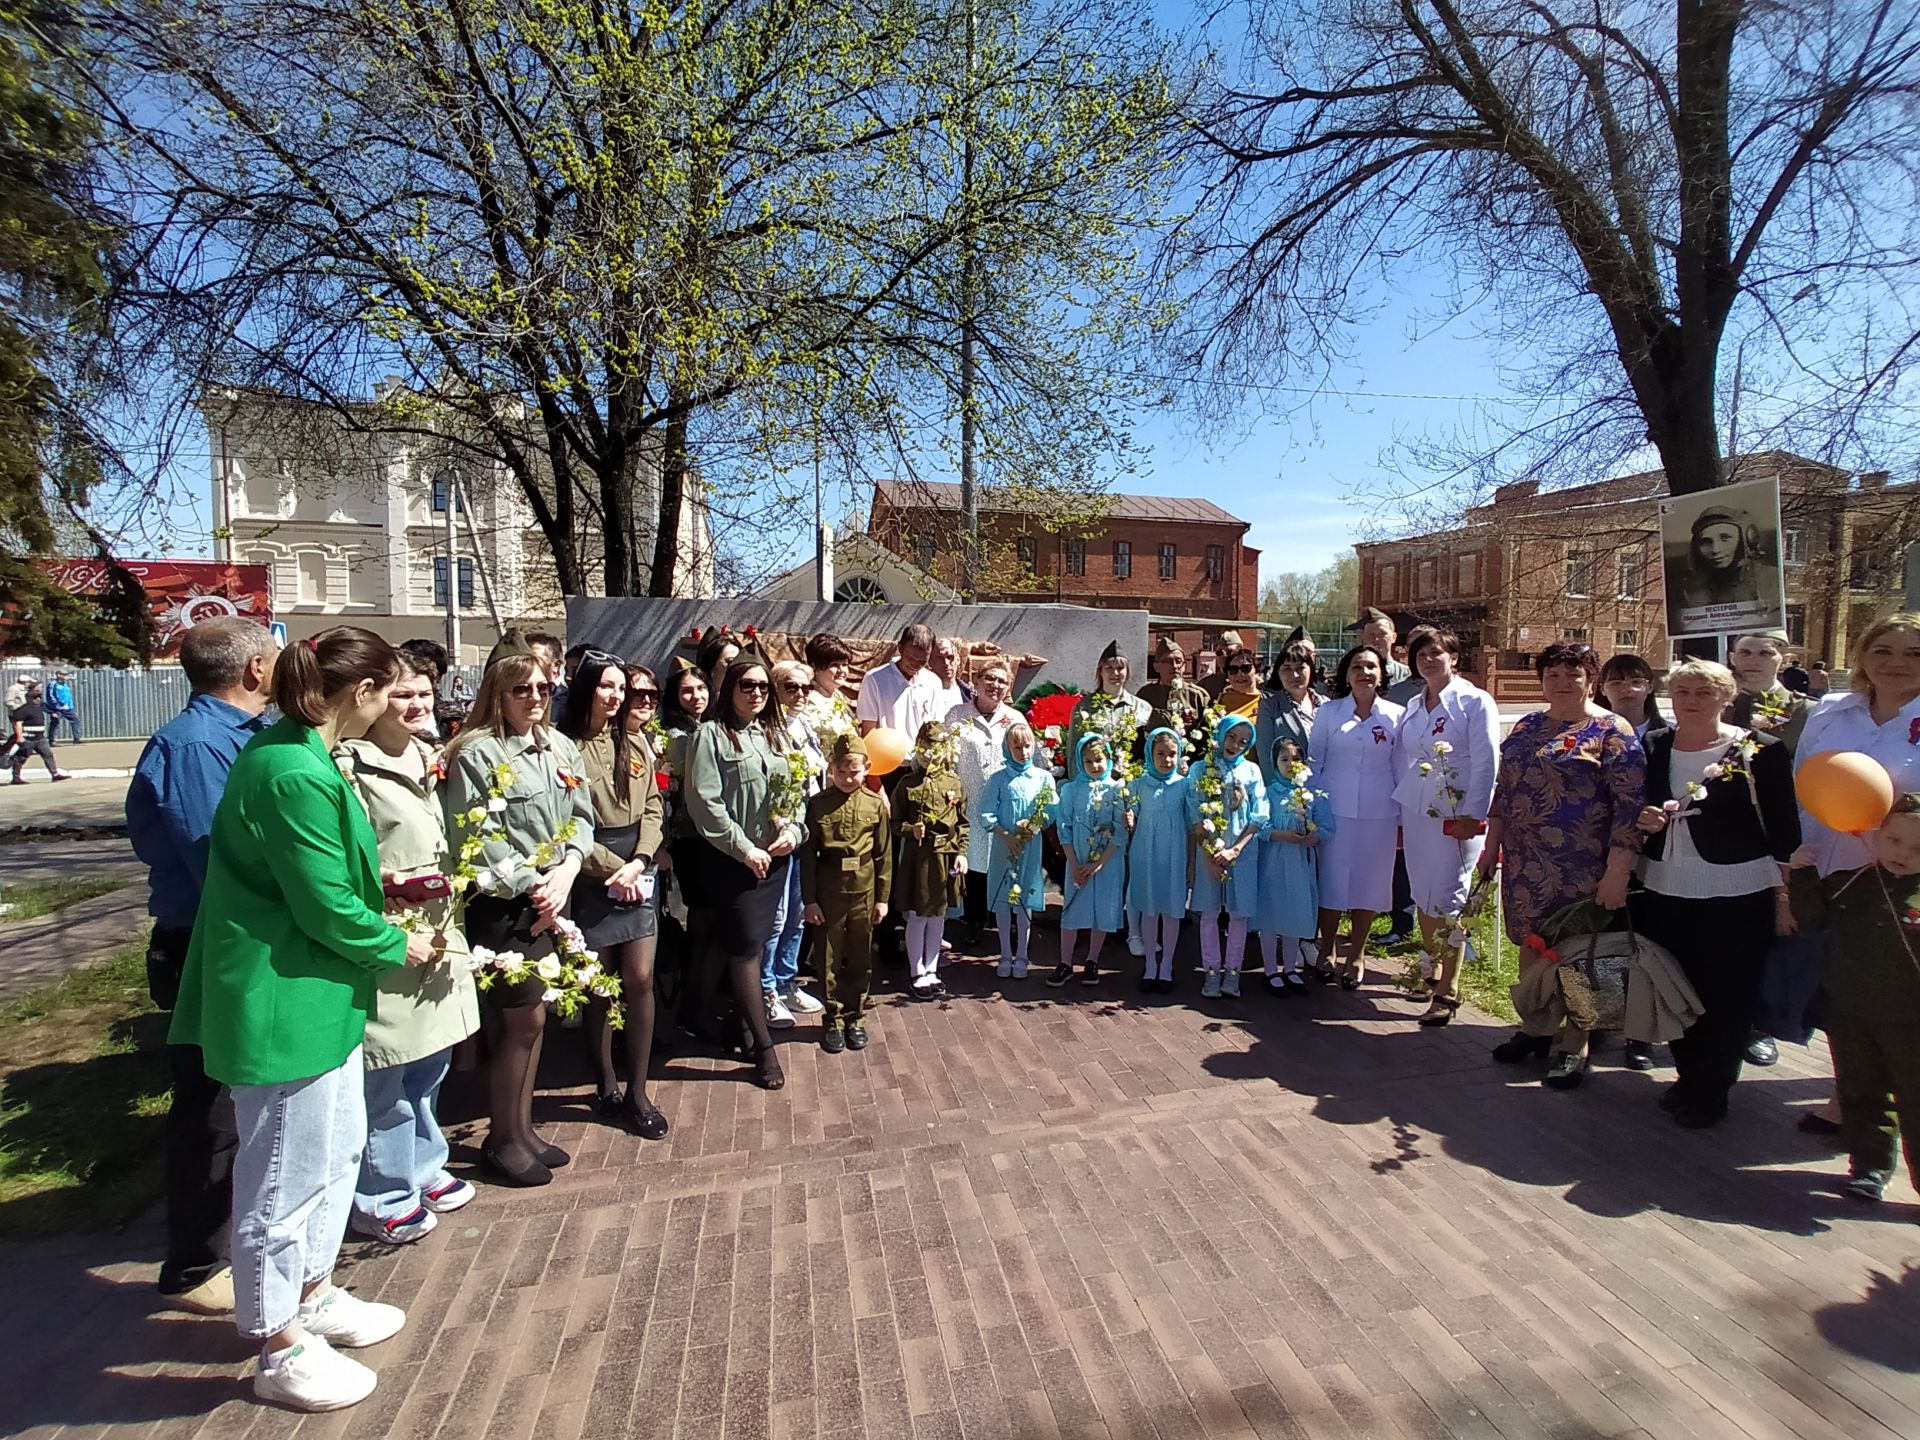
(1439, 868)
(1356, 864)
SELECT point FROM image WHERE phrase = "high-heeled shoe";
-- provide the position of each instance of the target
(1352, 974)
(1440, 1012)
(528, 1175)
(643, 1119)
(767, 1072)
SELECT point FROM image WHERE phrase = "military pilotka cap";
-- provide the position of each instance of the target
(1112, 652)
(848, 746)
(512, 643)
(1168, 647)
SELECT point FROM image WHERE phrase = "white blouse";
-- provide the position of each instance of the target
(1680, 871)
(1467, 719)
(1353, 758)
(1847, 723)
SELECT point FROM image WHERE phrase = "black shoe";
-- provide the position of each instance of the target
(832, 1039)
(1440, 1012)
(528, 1175)
(1297, 984)
(1699, 1117)
(1638, 1055)
(856, 1037)
(1673, 1099)
(1522, 1047)
(767, 1073)
(643, 1120)
(1089, 975)
(1148, 985)
(1567, 1071)
(1866, 1189)
(554, 1158)
(1062, 973)
(610, 1102)
(1762, 1051)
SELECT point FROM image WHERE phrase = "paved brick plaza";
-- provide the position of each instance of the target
(1070, 1214)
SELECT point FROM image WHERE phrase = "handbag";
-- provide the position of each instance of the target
(1593, 986)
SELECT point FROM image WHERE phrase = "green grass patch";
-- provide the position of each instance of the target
(1484, 984)
(30, 902)
(84, 1092)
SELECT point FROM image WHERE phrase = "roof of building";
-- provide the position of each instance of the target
(945, 495)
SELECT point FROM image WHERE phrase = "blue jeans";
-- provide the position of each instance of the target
(780, 961)
(293, 1177)
(406, 1154)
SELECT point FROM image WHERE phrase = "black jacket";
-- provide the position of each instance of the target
(1743, 817)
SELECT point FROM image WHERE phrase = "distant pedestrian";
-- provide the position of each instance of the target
(176, 788)
(60, 707)
(30, 736)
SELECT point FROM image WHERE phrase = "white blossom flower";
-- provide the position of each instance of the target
(547, 967)
(496, 805)
(549, 996)
(1441, 747)
(586, 973)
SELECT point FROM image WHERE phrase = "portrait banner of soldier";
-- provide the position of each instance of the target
(1721, 559)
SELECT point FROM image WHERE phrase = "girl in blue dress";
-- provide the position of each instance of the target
(1160, 858)
(1015, 807)
(1298, 818)
(1226, 812)
(1094, 819)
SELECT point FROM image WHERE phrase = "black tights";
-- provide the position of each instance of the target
(510, 1072)
(744, 973)
(634, 958)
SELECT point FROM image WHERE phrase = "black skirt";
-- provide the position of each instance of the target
(602, 919)
(506, 923)
(743, 907)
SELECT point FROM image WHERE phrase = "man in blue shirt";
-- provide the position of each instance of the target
(176, 788)
(60, 707)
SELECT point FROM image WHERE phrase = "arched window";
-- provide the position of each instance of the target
(860, 590)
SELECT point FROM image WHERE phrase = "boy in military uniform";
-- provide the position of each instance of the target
(846, 867)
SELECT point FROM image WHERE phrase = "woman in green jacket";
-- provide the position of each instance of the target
(288, 949)
(422, 1013)
(748, 820)
(526, 784)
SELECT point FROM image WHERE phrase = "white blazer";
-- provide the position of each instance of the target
(1467, 719)
(1353, 759)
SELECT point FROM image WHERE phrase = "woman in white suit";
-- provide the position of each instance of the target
(1352, 750)
(1447, 753)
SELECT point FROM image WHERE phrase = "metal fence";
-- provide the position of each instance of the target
(114, 704)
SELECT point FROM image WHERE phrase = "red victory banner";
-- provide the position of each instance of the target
(181, 593)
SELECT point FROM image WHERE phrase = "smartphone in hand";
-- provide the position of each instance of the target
(419, 890)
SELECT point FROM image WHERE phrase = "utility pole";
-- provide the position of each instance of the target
(969, 292)
(479, 560)
(453, 572)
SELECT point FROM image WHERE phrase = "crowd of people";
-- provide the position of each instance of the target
(343, 897)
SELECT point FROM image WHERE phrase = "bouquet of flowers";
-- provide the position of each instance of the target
(1037, 818)
(572, 973)
(1302, 798)
(479, 826)
(1737, 760)
(1109, 814)
(1213, 813)
(1115, 718)
(1769, 712)
(791, 783)
(1449, 794)
(1049, 710)
(1201, 731)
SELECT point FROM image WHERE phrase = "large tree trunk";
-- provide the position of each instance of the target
(673, 496)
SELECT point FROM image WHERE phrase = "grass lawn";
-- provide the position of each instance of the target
(1483, 984)
(83, 1100)
(30, 902)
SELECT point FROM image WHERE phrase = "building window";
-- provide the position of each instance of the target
(923, 550)
(1169, 560)
(1466, 579)
(1630, 566)
(1216, 563)
(1425, 579)
(1388, 577)
(1797, 624)
(1024, 549)
(1793, 547)
(362, 580)
(1625, 639)
(465, 574)
(440, 582)
(1577, 632)
(445, 491)
(1076, 557)
(1579, 573)
(1123, 559)
(860, 590)
(313, 577)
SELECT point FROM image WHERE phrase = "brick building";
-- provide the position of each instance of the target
(1165, 554)
(1531, 566)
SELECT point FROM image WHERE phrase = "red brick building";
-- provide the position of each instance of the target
(1164, 554)
(1530, 567)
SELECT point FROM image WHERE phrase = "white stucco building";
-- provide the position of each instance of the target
(353, 527)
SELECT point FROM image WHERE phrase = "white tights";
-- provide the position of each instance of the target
(924, 934)
(1070, 942)
(1009, 922)
(1159, 937)
(1210, 941)
(1292, 946)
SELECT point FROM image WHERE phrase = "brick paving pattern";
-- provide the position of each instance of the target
(1074, 1214)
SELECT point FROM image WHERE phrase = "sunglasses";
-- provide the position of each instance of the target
(753, 687)
(526, 690)
(652, 696)
(601, 657)
(792, 687)
(1239, 669)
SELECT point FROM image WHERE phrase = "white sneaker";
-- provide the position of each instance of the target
(800, 1002)
(341, 1319)
(312, 1375)
(1019, 969)
(1210, 987)
(1004, 969)
(1230, 985)
(448, 1197)
(779, 1017)
(401, 1230)
(1135, 946)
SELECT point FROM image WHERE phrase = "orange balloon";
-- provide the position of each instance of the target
(887, 748)
(1845, 790)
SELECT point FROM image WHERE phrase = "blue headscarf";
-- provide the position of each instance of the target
(1220, 733)
(1018, 767)
(1079, 765)
(1150, 772)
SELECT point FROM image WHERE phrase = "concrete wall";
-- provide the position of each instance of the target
(1070, 637)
